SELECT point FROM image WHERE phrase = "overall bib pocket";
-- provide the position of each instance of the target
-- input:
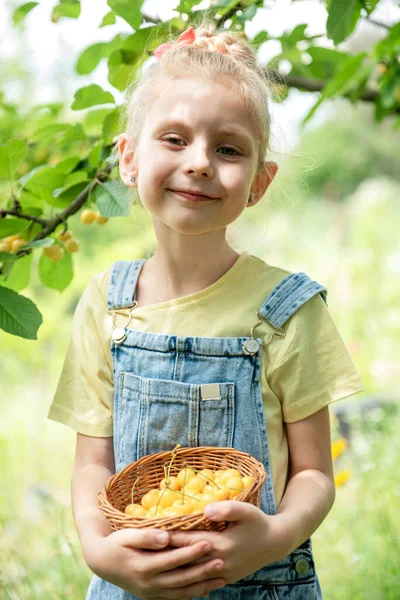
(156, 414)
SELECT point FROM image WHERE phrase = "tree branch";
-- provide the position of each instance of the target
(316, 85)
(15, 213)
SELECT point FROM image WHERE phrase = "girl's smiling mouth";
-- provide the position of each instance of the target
(193, 197)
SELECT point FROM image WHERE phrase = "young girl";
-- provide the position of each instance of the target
(200, 345)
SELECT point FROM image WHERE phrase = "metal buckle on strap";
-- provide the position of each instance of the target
(252, 346)
(118, 333)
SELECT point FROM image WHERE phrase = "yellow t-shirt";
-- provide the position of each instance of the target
(301, 373)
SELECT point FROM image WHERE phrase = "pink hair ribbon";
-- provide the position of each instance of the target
(185, 39)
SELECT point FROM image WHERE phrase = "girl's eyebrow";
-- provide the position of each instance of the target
(235, 131)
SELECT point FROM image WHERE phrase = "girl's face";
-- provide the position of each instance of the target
(197, 136)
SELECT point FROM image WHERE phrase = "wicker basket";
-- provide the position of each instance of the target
(150, 470)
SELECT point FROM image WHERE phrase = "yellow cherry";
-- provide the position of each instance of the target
(247, 481)
(16, 245)
(235, 484)
(232, 473)
(135, 510)
(171, 483)
(72, 245)
(173, 511)
(63, 236)
(100, 219)
(167, 497)
(5, 246)
(207, 499)
(87, 216)
(54, 252)
(12, 238)
(185, 506)
(196, 483)
(150, 499)
(222, 492)
(155, 511)
(184, 476)
(206, 474)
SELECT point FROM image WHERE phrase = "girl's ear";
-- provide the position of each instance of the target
(127, 166)
(263, 179)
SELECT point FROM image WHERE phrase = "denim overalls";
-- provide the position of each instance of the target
(199, 391)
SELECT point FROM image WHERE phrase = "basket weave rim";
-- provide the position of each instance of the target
(110, 512)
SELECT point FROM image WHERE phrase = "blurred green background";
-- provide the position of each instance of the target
(341, 227)
(333, 211)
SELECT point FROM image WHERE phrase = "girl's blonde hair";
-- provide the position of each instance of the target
(226, 57)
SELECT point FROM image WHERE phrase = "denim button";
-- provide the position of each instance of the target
(302, 566)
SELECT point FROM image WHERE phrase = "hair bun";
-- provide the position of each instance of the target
(233, 43)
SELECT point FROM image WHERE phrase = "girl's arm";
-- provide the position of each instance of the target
(254, 539)
(127, 558)
(310, 492)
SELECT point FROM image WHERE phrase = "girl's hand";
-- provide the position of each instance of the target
(136, 561)
(251, 541)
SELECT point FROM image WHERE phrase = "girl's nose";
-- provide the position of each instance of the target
(199, 162)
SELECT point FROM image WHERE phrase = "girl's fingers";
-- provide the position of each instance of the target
(149, 539)
(187, 576)
(172, 559)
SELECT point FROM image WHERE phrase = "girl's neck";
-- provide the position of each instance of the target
(163, 277)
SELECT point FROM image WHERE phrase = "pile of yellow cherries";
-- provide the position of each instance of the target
(188, 492)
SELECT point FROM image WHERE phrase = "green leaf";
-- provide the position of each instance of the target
(108, 19)
(260, 38)
(110, 126)
(19, 315)
(66, 165)
(31, 205)
(341, 17)
(67, 8)
(112, 199)
(71, 181)
(74, 178)
(45, 243)
(91, 95)
(11, 156)
(94, 156)
(120, 68)
(7, 257)
(248, 14)
(186, 6)
(370, 5)
(324, 61)
(128, 10)
(21, 11)
(64, 197)
(342, 82)
(56, 275)
(19, 276)
(47, 132)
(94, 118)
(42, 181)
(92, 55)
(10, 226)
(90, 58)
(74, 133)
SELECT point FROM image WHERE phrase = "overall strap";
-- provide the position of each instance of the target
(291, 293)
(123, 278)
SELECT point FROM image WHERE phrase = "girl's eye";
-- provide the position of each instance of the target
(175, 139)
(229, 148)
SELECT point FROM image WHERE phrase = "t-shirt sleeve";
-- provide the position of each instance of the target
(313, 367)
(84, 395)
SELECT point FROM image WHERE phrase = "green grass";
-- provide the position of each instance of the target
(356, 548)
